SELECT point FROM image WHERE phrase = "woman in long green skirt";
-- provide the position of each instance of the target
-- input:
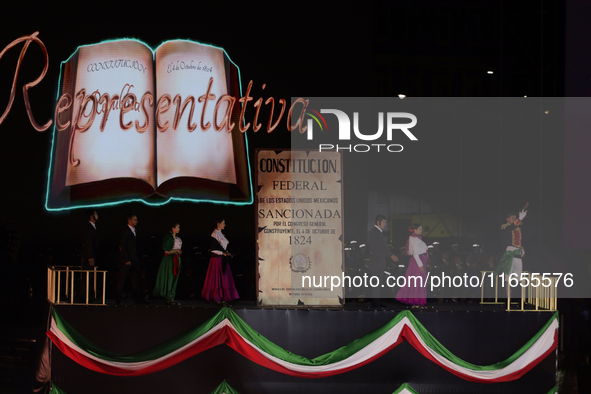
(170, 266)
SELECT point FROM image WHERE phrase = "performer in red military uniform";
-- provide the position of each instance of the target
(511, 235)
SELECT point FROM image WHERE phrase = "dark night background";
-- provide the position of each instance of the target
(372, 49)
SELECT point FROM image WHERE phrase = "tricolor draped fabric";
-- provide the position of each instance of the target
(225, 388)
(228, 328)
(56, 390)
(405, 389)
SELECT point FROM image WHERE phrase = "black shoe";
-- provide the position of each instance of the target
(142, 302)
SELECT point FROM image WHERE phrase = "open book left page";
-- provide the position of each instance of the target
(106, 147)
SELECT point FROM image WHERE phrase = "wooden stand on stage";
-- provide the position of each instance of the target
(542, 298)
(54, 284)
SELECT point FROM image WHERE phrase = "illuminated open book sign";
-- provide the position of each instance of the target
(137, 124)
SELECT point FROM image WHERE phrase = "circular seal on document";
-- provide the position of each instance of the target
(300, 263)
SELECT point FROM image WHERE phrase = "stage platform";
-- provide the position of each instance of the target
(477, 334)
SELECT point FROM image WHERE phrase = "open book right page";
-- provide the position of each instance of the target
(184, 70)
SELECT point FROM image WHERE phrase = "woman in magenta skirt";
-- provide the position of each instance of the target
(415, 292)
(219, 284)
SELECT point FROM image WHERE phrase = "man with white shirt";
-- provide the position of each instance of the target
(128, 258)
(379, 252)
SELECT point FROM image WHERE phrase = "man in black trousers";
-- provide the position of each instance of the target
(90, 250)
(379, 252)
(128, 258)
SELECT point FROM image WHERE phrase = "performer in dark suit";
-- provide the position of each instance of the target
(379, 252)
(90, 250)
(128, 258)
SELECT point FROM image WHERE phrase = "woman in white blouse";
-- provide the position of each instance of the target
(415, 290)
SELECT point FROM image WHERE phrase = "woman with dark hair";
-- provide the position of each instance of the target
(219, 284)
(170, 266)
(415, 291)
